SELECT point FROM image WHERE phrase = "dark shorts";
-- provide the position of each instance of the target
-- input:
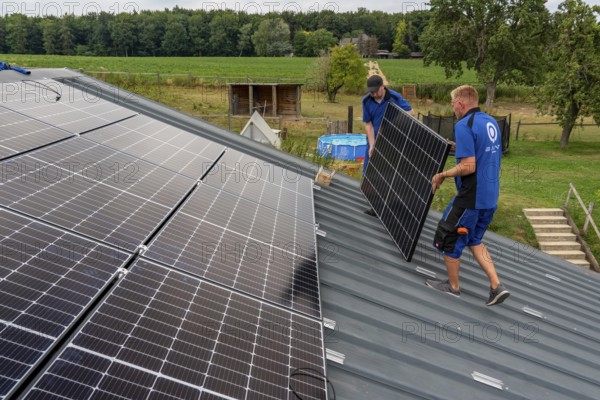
(461, 227)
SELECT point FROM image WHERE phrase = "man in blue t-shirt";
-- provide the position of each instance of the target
(373, 105)
(477, 178)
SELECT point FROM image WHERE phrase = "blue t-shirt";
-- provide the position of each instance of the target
(477, 135)
(373, 111)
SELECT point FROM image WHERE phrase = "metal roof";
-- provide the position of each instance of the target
(402, 340)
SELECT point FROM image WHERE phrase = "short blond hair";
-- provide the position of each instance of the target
(467, 93)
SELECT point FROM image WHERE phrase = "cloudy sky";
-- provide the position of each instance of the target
(79, 7)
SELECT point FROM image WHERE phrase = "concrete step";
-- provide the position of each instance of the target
(547, 220)
(537, 212)
(568, 254)
(551, 228)
(551, 246)
(581, 263)
(555, 237)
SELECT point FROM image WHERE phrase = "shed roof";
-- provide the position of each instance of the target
(402, 340)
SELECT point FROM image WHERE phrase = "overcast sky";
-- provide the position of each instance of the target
(79, 7)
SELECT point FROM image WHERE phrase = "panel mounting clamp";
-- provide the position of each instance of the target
(335, 356)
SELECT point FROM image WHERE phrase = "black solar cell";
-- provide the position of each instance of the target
(19, 133)
(47, 279)
(278, 188)
(161, 144)
(164, 334)
(243, 245)
(73, 110)
(397, 182)
(91, 189)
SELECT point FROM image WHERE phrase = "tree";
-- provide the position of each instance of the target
(176, 39)
(122, 32)
(199, 31)
(400, 46)
(572, 84)
(224, 29)
(272, 38)
(50, 35)
(299, 46)
(318, 41)
(16, 33)
(502, 40)
(245, 39)
(151, 28)
(67, 36)
(345, 69)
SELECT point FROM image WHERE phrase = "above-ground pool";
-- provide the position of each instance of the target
(343, 146)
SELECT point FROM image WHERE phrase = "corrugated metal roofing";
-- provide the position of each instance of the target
(402, 340)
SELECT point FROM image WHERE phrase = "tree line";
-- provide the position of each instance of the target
(183, 32)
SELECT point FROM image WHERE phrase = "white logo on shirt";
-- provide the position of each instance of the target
(492, 132)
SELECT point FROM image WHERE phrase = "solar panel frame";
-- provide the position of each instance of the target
(62, 106)
(91, 189)
(164, 334)
(160, 143)
(48, 278)
(397, 182)
(248, 177)
(219, 236)
(19, 133)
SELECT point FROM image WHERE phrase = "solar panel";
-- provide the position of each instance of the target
(162, 334)
(47, 279)
(243, 245)
(397, 182)
(70, 109)
(279, 188)
(91, 189)
(19, 133)
(159, 143)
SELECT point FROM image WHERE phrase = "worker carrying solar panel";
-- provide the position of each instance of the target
(477, 177)
(374, 104)
(6, 66)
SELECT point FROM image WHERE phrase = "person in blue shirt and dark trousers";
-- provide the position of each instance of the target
(373, 105)
(477, 178)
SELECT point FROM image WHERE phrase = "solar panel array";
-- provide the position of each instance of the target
(397, 182)
(142, 261)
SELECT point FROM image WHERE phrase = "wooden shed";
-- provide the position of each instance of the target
(269, 99)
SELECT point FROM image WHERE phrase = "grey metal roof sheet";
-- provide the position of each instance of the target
(403, 340)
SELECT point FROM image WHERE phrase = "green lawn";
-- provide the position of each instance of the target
(253, 67)
(403, 71)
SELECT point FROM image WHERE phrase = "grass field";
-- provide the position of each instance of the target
(535, 173)
(397, 71)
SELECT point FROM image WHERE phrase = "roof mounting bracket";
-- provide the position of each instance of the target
(329, 323)
(315, 186)
(141, 249)
(535, 313)
(334, 356)
(488, 380)
(426, 272)
(321, 233)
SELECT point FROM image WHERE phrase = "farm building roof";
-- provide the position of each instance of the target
(402, 340)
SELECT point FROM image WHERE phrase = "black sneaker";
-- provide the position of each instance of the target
(442, 286)
(370, 212)
(497, 295)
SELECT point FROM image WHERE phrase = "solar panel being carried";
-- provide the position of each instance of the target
(397, 182)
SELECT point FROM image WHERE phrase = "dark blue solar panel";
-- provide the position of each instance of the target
(397, 182)
(47, 279)
(162, 334)
(161, 144)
